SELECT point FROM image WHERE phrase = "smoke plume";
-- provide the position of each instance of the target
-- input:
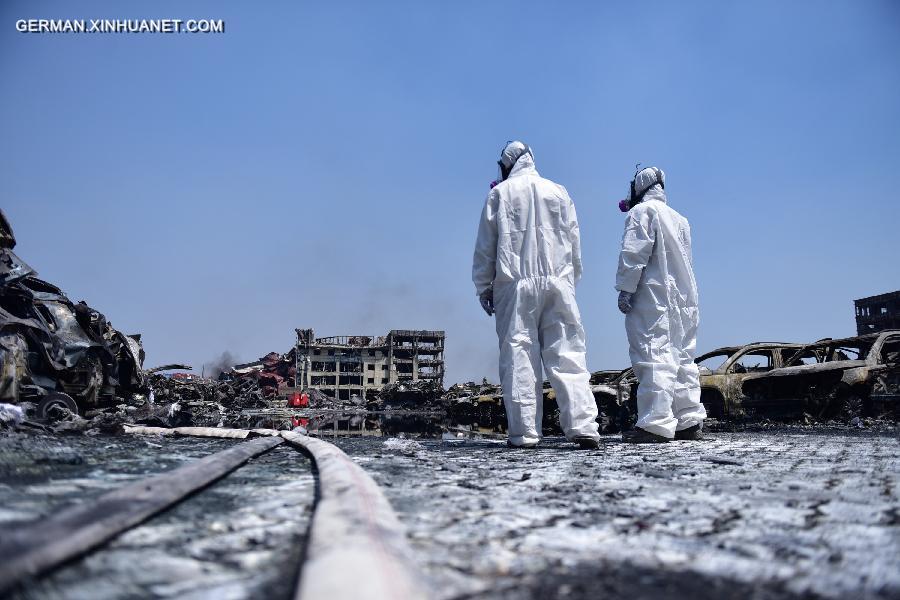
(223, 363)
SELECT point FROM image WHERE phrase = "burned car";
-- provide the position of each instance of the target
(614, 391)
(722, 372)
(856, 376)
(56, 352)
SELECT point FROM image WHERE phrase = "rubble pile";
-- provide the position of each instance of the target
(474, 402)
(235, 395)
(321, 400)
(204, 402)
(171, 402)
(270, 372)
(55, 352)
(421, 395)
(469, 390)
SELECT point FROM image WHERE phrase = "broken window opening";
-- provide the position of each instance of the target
(803, 357)
(713, 361)
(890, 350)
(758, 361)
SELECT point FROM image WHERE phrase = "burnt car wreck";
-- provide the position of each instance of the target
(829, 379)
(723, 371)
(54, 352)
(850, 377)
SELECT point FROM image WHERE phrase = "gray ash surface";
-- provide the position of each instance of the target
(776, 512)
(240, 538)
(801, 513)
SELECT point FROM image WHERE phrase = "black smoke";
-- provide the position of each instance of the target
(222, 364)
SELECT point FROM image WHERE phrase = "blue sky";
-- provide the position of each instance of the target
(324, 164)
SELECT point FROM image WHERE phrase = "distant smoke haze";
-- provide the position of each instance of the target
(223, 363)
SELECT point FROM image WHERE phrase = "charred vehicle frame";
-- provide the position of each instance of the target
(56, 352)
(720, 382)
(855, 376)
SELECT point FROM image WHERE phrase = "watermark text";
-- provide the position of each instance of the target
(120, 26)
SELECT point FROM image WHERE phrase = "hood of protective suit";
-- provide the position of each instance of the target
(517, 157)
(646, 179)
(525, 164)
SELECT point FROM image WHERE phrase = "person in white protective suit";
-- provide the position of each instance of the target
(658, 294)
(527, 262)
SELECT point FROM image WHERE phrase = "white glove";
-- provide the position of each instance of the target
(487, 301)
(625, 302)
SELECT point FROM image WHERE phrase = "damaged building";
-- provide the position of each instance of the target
(345, 366)
(877, 313)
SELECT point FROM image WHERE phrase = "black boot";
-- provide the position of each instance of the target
(691, 433)
(642, 436)
(586, 442)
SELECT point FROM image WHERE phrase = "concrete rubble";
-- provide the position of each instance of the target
(269, 373)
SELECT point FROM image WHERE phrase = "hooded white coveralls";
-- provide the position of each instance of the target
(655, 264)
(528, 248)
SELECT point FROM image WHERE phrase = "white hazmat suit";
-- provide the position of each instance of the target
(655, 266)
(528, 249)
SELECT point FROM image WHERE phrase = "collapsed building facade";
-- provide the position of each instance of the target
(877, 313)
(346, 366)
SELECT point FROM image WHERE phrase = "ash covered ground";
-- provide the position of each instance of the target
(776, 512)
(783, 513)
(240, 538)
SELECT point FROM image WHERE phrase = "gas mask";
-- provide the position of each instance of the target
(502, 174)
